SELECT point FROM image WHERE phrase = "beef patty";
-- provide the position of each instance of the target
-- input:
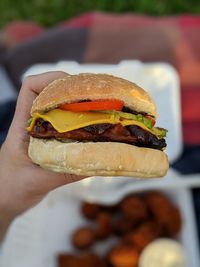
(105, 132)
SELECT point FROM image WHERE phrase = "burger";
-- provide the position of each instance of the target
(97, 125)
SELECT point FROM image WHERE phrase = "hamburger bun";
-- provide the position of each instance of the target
(98, 159)
(88, 86)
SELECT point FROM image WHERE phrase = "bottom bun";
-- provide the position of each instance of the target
(98, 159)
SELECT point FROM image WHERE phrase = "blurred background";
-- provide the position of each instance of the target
(108, 32)
(48, 13)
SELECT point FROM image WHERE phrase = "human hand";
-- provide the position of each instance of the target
(22, 183)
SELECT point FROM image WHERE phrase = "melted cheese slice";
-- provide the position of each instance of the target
(65, 121)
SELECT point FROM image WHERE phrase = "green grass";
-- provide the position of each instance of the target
(50, 12)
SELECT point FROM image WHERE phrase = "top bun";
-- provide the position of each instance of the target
(89, 86)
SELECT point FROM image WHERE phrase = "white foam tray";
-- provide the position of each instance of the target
(7, 91)
(36, 237)
(40, 234)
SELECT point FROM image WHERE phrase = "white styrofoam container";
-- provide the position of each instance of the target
(36, 237)
(7, 90)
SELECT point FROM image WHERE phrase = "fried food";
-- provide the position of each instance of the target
(103, 225)
(91, 259)
(143, 235)
(122, 226)
(156, 201)
(123, 256)
(90, 210)
(173, 226)
(167, 215)
(83, 237)
(137, 220)
(68, 260)
(134, 208)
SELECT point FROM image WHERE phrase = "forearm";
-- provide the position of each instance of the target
(22, 183)
(5, 221)
(7, 213)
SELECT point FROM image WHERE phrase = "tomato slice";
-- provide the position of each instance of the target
(153, 122)
(94, 105)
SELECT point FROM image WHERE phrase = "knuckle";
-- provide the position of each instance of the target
(27, 80)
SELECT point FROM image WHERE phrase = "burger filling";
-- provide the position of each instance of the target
(98, 124)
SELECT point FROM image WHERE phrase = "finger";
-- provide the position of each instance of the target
(45, 181)
(36, 83)
(31, 87)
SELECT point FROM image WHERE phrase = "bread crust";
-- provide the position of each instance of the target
(98, 159)
(88, 86)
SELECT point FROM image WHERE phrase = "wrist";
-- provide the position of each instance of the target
(7, 210)
(5, 220)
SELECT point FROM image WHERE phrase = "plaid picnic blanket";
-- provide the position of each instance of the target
(110, 38)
